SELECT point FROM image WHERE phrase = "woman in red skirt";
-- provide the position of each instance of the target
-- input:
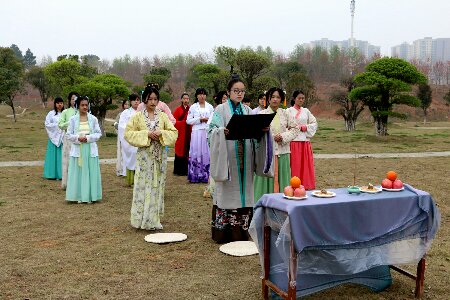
(302, 160)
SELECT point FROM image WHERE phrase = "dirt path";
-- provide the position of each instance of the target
(316, 156)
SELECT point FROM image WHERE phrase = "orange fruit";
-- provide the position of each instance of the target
(391, 175)
(295, 182)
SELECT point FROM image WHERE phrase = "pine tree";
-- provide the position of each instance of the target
(29, 60)
(17, 51)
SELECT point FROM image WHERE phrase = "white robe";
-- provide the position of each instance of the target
(55, 134)
(128, 151)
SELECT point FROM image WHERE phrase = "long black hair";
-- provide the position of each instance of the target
(219, 97)
(81, 98)
(200, 91)
(70, 98)
(57, 100)
(272, 90)
(149, 89)
(295, 94)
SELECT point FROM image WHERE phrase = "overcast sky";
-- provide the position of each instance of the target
(112, 28)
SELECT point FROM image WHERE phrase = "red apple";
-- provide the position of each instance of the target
(397, 184)
(299, 192)
(288, 191)
(386, 183)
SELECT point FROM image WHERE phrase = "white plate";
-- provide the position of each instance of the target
(239, 248)
(294, 198)
(374, 191)
(319, 195)
(162, 238)
(393, 190)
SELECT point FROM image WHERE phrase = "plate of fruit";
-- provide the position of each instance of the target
(323, 194)
(370, 189)
(295, 191)
(391, 183)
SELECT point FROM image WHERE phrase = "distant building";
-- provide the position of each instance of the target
(363, 47)
(426, 49)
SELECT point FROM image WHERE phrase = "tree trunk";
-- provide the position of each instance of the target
(101, 120)
(381, 126)
(11, 103)
(350, 125)
(424, 116)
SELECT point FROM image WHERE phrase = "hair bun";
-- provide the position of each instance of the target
(153, 85)
(235, 76)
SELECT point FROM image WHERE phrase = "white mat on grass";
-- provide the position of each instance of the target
(165, 237)
(239, 248)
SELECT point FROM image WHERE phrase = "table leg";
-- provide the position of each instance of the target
(420, 278)
(266, 251)
(292, 287)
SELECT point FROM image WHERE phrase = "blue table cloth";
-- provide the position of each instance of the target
(347, 238)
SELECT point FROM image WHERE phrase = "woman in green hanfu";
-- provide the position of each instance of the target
(150, 130)
(233, 165)
(284, 129)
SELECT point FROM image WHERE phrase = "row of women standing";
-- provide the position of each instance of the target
(72, 152)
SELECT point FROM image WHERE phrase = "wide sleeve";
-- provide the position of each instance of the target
(311, 126)
(193, 116)
(292, 127)
(72, 134)
(123, 120)
(51, 126)
(264, 156)
(96, 132)
(136, 134)
(170, 117)
(218, 161)
(63, 122)
(169, 133)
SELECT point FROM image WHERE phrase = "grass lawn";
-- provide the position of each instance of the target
(54, 250)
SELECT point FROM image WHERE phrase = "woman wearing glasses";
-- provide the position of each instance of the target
(233, 163)
(284, 129)
(199, 113)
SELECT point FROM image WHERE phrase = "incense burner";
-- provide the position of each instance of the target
(353, 189)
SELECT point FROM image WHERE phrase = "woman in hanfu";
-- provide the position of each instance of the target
(63, 123)
(84, 182)
(150, 130)
(180, 164)
(53, 156)
(199, 113)
(284, 129)
(302, 160)
(233, 165)
(119, 162)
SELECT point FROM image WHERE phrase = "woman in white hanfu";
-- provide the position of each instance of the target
(119, 160)
(53, 156)
(128, 151)
(150, 130)
(233, 165)
(198, 115)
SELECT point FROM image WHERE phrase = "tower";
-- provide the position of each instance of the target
(352, 11)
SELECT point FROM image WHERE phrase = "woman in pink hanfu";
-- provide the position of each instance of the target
(302, 160)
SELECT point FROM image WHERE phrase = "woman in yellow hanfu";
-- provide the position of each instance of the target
(150, 130)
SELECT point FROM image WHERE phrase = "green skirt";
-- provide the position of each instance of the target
(264, 185)
(53, 161)
(84, 182)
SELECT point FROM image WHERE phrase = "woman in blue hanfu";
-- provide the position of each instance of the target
(233, 165)
(53, 156)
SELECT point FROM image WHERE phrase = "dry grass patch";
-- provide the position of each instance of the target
(55, 250)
